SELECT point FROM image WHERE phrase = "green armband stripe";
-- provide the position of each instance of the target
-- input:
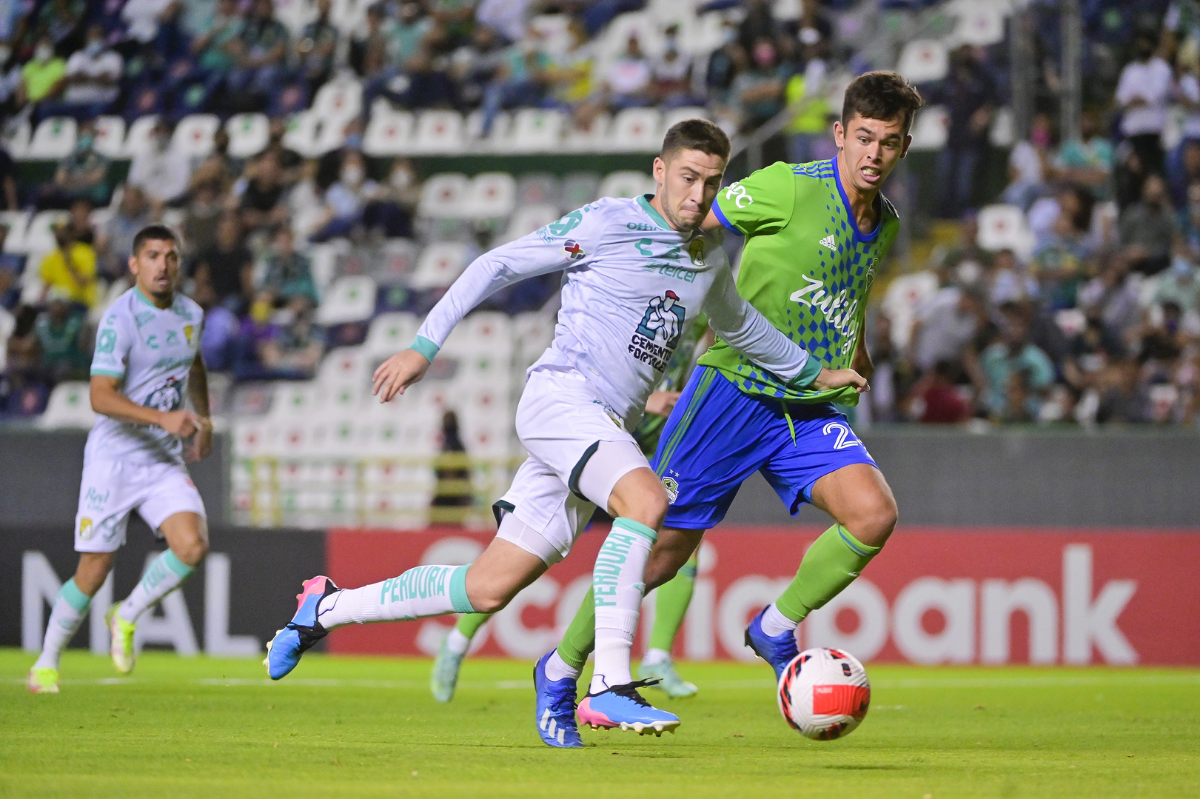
(808, 373)
(425, 347)
(108, 373)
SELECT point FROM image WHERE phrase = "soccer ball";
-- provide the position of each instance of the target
(824, 693)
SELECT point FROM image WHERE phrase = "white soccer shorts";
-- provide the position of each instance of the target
(110, 490)
(561, 421)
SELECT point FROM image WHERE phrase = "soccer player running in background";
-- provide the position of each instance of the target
(672, 600)
(815, 234)
(638, 271)
(147, 362)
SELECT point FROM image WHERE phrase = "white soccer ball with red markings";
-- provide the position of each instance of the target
(824, 693)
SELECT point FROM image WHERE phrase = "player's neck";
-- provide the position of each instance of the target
(656, 204)
(161, 304)
(862, 201)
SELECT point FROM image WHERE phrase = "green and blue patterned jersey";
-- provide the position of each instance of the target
(806, 267)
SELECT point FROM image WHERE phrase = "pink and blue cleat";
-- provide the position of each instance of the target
(622, 707)
(290, 642)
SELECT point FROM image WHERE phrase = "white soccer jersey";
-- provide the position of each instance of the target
(152, 349)
(632, 284)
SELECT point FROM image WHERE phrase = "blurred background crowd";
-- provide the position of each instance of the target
(306, 149)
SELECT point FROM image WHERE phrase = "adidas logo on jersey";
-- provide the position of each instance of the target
(829, 242)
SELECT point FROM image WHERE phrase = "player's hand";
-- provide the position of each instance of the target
(184, 424)
(398, 373)
(661, 403)
(839, 379)
(200, 445)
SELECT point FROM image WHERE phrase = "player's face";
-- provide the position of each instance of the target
(156, 268)
(871, 149)
(687, 185)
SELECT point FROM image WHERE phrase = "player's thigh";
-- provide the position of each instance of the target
(107, 495)
(502, 570)
(172, 506)
(540, 514)
(859, 498)
(186, 533)
(672, 550)
(824, 443)
(638, 495)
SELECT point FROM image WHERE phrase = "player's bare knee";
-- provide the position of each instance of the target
(874, 524)
(192, 552)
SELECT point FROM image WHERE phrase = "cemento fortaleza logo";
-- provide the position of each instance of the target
(663, 321)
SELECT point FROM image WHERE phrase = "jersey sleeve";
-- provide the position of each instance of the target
(113, 343)
(760, 203)
(571, 242)
(748, 331)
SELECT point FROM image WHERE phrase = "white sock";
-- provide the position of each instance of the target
(162, 576)
(619, 583)
(775, 623)
(69, 609)
(557, 669)
(655, 656)
(426, 591)
(457, 642)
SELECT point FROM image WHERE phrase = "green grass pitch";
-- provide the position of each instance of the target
(368, 726)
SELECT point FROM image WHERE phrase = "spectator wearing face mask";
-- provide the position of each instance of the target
(347, 198)
(159, 170)
(91, 81)
(1143, 92)
(83, 173)
(759, 92)
(1029, 163)
(42, 77)
(627, 84)
(671, 75)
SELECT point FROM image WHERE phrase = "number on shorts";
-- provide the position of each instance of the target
(842, 433)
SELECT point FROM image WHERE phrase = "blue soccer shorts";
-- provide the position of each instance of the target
(717, 436)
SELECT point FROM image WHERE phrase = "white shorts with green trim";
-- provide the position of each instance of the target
(110, 490)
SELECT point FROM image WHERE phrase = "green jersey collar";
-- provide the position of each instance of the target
(652, 212)
(859, 236)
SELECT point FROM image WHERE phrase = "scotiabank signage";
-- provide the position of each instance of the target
(933, 596)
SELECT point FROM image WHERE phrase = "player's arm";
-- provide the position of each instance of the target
(107, 400)
(740, 324)
(538, 253)
(201, 445)
(761, 203)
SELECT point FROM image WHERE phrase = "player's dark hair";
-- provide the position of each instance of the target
(882, 95)
(156, 232)
(695, 134)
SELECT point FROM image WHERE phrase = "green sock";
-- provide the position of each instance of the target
(672, 604)
(469, 624)
(832, 563)
(580, 638)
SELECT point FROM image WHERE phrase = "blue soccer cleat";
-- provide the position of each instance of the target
(284, 651)
(555, 713)
(622, 707)
(777, 651)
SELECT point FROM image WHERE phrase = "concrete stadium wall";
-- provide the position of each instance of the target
(1130, 478)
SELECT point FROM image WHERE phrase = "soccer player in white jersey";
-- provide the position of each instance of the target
(147, 362)
(636, 272)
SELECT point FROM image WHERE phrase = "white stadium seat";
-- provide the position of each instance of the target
(39, 236)
(439, 132)
(591, 140)
(389, 133)
(538, 188)
(534, 130)
(444, 196)
(311, 134)
(439, 264)
(110, 136)
(579, 189)
(626, 183)
(615, 38)
(932, 128)
(924, 60)
(1005, 227)
(53, 139)
(70, 406)
(248, 134)
(340, 99)
(345, 365)
(295, 400)
(137, 138)
(295, 14)
(493, 195)
(904, 297)
(527, 219)
(979, 22)
(16, 138)
(636, 130)
(350, 298)
(193, 135)
(676, 115)
(17, 223)
(391, 333)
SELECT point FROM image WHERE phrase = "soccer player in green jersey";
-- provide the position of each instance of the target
(673, 598)
(815, 235)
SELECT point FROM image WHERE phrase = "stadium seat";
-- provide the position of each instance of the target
(1004, 227)
(532, 333)
(345, 365)
(307, 134)
(248, 134)
(488, 332)
(389, 133)
(340, 99)
(39, 237)
(295, 14)
(17, 223)
(444, 196)
(475, 140)
(53, 139)
(636, 130)
(110, 136)
(350, 17)
(527, 219)
(69, 406)
(931, 129)
(538, 188)
(534, 130)
(626, 183)
(613, 41)
(394, 262)
(923, 61)
(193, 135)
(295, 400)
(579, 189)
(493, 195)
(552, 32)
(594, 139)
(677, 115)
(32, 286)
(904, 297)
(323, 260)
(980, 23)
(137, 138)
(1002, 132)
(350, 298)
(391, 333)
(16, 138)
(439, 132)
(439, 264)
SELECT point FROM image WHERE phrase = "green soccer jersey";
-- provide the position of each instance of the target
(806, 267)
